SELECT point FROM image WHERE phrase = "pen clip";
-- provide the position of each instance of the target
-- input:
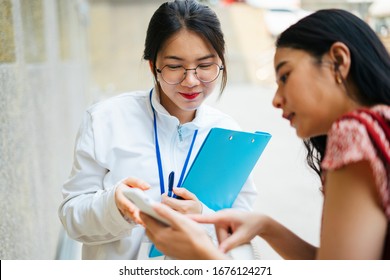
(171, 179)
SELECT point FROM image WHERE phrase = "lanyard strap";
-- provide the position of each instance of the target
(187, 160)
(158, 154)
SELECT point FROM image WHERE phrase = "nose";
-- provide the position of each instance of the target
(190, 79)
(277, 100)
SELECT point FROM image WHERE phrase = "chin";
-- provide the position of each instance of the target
(191, 106)
(302, 134)
(191, 109)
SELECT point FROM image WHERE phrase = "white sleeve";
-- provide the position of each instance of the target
(88, 212)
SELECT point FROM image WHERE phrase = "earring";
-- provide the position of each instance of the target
(338, 79)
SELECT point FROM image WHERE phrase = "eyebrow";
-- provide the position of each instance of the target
(279, 66)
(181, 59)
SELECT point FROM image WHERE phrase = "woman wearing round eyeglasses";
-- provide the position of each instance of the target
(140, 139)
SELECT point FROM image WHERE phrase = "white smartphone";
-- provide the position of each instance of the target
(144, 203)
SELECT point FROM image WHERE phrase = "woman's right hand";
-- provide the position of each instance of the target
(128, 209)
(233, 227)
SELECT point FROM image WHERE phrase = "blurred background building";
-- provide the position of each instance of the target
(59, 56)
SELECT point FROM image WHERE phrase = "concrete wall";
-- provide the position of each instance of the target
(43, 90)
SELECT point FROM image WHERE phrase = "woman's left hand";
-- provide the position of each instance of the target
(189, 204)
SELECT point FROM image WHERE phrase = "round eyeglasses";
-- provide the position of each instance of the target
(175, 74)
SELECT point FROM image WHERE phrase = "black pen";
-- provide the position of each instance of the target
(171, 179)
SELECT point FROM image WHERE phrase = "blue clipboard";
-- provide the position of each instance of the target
(223, 164)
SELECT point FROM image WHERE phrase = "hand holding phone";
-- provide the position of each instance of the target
(144, 203)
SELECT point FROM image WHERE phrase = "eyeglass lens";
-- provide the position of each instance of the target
(204, 72)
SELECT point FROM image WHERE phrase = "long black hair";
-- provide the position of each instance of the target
(173, 16)
(370, 61)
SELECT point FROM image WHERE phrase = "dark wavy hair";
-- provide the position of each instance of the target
(174, 16)
(370, 61)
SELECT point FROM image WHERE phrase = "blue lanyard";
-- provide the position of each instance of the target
(158, 154)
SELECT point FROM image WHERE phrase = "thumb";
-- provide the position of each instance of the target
(136, 183)
(184, 193)
(176, 219)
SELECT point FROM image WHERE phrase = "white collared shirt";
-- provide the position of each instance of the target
(116, 141)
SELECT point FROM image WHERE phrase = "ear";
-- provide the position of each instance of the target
(340, 54)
